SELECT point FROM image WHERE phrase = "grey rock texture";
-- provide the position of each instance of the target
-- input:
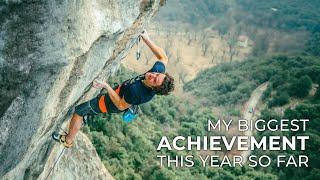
(50, 52)
(79, 162)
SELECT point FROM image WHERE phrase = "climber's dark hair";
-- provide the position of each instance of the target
(166, 86)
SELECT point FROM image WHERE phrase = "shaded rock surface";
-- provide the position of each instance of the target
(50, 52)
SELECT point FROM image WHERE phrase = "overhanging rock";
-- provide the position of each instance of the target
(50, 52)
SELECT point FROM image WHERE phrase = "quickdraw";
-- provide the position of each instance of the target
(138, 54)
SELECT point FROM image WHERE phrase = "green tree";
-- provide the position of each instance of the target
(281, 99)
(267, 93)
(313, 45)
(317, 95)
(300, 87)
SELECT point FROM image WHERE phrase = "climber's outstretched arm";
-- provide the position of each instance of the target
(119, 102)
(157, 51)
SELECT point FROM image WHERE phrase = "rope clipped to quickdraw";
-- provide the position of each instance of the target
(138, 54)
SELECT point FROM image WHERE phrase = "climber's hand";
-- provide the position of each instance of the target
(99, 84)
(144, 35)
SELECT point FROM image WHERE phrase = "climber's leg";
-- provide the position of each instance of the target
(74, 126)
(87, 108)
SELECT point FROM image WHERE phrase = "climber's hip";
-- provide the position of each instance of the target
(106, 105)
(100, 104)
(88, 108)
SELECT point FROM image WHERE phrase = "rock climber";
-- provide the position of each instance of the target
(135, 91)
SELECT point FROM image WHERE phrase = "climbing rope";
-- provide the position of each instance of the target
(55, 163)
(60, 155)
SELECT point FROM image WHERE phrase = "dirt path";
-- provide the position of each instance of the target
(250, 110)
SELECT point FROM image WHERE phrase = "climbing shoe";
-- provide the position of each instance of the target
(61, 139)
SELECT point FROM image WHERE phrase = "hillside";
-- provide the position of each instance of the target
(305, 108)
(273, 26)
(232, 83)
(286, 14)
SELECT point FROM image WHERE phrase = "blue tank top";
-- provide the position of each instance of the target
(135, 92)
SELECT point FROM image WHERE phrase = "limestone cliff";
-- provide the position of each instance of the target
(50, 52)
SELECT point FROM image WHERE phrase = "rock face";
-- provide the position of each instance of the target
(50, 52)
(79, 162)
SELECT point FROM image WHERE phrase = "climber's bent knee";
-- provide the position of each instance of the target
(88, 108)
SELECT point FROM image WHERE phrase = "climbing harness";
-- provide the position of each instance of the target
(102, 99)
(138, 54)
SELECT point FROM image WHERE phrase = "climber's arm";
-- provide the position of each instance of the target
(157, 51)
(119, 102)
